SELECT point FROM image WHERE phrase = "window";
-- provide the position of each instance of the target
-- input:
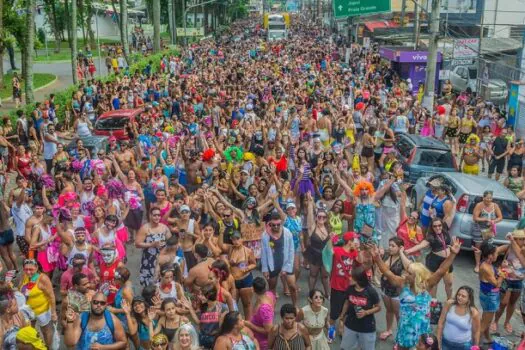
(509, 209)
(434, 158)
(116, 122)
(404, 147)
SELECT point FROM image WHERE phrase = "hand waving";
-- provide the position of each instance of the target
(456, 245)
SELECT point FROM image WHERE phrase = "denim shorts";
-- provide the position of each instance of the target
(511, 286)
(489, 301)
(450, 345)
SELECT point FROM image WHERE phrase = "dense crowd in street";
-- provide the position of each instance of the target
(252, 165)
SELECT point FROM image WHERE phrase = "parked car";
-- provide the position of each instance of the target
(423, 156)
(92, 143)
(494, 90)
(113, 123)
(468, 191)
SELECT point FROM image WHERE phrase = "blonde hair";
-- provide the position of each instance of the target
(422, 274)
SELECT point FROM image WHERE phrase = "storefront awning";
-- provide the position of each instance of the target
(371, 26)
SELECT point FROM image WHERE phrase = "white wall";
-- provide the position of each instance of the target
(503, 13)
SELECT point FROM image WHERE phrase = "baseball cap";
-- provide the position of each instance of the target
(236, 234)
(290, 205)
(184, 208)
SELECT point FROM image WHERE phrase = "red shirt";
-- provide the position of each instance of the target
(342, 264)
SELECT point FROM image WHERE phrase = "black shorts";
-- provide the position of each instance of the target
(246, 282)
(433, 262)
(6, 237)
(337, 300)
(367, 152)
(275, 273)
(496, 164)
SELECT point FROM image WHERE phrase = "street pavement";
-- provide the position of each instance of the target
(463, 271)
(63, 72)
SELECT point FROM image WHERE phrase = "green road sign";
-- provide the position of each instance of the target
(353, 8)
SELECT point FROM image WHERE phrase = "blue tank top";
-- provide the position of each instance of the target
(88, 338)
(437, 205)
(118, 305)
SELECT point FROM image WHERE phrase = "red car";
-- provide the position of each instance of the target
(113, 123)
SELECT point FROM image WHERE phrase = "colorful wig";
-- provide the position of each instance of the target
(362, 185)
(473, 137)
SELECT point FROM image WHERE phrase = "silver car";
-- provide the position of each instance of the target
(468, 191)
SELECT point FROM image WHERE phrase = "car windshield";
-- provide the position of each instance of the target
(434, 158)
(111, 123)
(509, 209)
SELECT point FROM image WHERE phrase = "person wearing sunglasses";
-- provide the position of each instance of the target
(159, 342)
(94, 328)
(318, 236)
(315, 317)
(40, 296)
(409, 229)
(277, 255)
(151, 238)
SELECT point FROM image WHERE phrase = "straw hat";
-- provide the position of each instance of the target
(518, 234)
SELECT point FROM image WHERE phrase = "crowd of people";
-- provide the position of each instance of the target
(252, 166)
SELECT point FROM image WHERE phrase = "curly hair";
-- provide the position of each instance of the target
(363, 185)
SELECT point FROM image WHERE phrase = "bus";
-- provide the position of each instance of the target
(277, 27)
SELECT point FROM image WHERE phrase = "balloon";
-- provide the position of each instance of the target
(441, 110)
(360, 106)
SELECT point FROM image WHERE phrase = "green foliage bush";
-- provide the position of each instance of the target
(63, 98)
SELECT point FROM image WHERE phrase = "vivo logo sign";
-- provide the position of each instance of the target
(419, 57)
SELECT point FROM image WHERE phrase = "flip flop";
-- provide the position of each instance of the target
(508, 328)
(385, 335)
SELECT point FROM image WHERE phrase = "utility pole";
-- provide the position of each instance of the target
(430, 79)
(416, 24)
(403, 11)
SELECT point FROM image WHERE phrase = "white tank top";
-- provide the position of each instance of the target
(85, 198)
(76, 250)
(171, 294)
(83, 129)
(103, 240)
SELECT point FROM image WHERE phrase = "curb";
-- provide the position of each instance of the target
(35, 90)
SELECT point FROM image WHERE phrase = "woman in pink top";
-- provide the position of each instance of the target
(262, 316)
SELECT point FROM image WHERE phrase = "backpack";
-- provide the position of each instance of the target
(84, 319)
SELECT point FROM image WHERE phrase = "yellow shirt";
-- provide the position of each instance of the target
(36, 298)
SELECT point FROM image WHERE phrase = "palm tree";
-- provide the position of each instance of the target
(30, 44)
(73, 42)
(156, 25)
(124, 28)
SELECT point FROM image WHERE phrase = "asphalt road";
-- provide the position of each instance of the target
(463, 271)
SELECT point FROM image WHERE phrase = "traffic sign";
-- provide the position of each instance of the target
(353, 8)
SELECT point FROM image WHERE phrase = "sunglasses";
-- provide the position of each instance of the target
(227, 216)
(438, 225)
(318, 297)
(321, 216)
(30, 262)
(155, 215)
(159, 344)
(99, 302)
(414, 217)
(275, 225)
